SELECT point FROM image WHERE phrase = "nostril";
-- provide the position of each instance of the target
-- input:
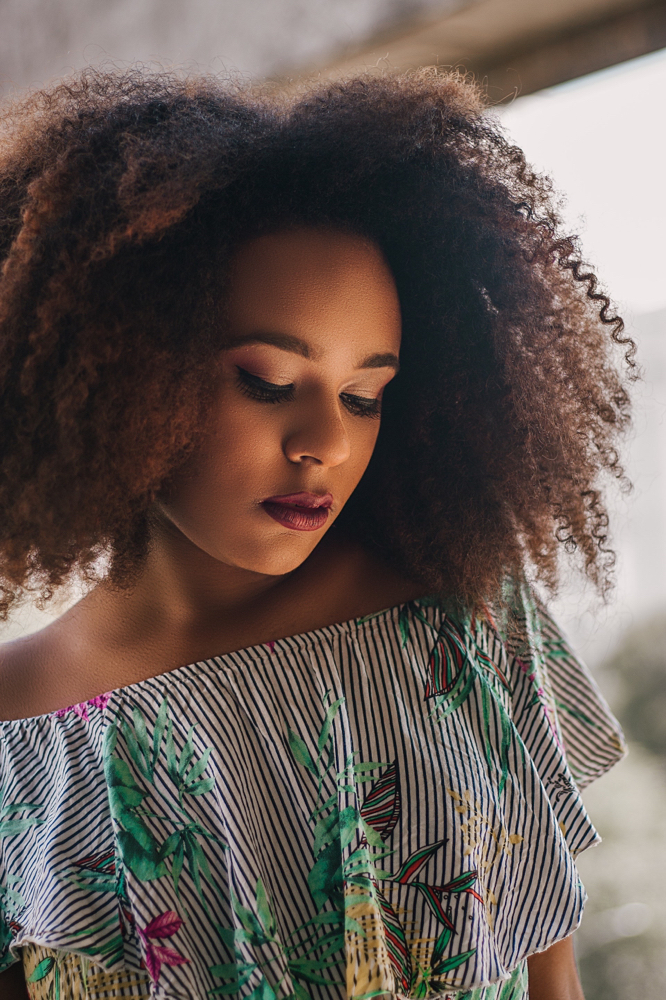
(323, 444)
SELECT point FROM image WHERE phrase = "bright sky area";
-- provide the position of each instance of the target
(602, 139)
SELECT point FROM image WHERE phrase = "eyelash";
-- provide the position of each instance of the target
(267, 392)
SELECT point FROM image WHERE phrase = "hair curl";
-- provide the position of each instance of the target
(122, 197)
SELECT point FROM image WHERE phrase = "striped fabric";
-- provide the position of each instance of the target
(378, 806)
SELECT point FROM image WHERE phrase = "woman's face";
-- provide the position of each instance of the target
(315, 335)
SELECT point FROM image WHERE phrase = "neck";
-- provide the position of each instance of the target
(186, 606)
(189, 586)
(181, 589)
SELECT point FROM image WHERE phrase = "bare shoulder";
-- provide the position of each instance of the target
(60, 665)
(25, 677)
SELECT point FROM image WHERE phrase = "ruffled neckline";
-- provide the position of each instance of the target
(309, 637)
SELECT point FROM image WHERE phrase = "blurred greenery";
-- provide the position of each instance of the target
(637, 671)
(628, 807)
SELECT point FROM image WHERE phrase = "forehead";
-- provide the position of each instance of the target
(314, 284)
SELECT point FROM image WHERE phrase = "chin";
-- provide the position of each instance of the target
(271, 559)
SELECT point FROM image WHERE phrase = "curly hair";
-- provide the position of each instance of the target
(122, 198)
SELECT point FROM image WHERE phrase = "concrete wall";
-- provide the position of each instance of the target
(43, 39)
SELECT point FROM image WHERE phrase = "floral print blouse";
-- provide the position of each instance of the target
(384, 806)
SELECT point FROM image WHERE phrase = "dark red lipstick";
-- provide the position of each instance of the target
(300, 511)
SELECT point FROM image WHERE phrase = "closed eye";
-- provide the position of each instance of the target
(271, 392)
(361, 406)
(260, 389)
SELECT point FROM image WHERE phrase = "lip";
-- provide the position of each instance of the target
(299, 511)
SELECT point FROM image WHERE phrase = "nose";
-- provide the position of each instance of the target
(320, 436)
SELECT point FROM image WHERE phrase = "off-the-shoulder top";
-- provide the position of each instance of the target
(384, 806)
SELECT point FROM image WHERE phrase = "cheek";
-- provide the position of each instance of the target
(241, 443)
(363, 438)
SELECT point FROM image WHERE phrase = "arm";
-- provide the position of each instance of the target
(12, 983)
(553, 974)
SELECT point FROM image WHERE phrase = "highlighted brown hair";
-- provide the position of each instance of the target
(122, 197)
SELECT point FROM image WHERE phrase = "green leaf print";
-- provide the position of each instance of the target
(259, 929)
(239, 980)
(250, 923)
(403, 624)
(145, 865)
(455, 698)
(170, 845)
(187, 752)
(326, 830)
(10, 827)
(453, 962)
(159, 731)
(263, 992)
(112, 950)
(16, 806)
(349, 823)
(415, 861)
(300, 992)
(184, 845)
(199, 787)
(330, 943)
(441, 944)
(372, 836)
(264, 910)
(310, 971)
(141, 852)
(516, 986)
(6, 936)
(301, 752)
(325, 878)
(328, 722)
(329, 918)
(142, 738)
(11, 902)
(457, 672)
(197, 862)
(138, 847)
(371, 765)
(199, 767)
(42, 970)
(231, 969)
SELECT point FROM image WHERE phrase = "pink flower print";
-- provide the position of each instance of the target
(81, 709)
(271, 646)
(164, 926)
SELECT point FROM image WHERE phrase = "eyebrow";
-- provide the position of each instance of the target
(287, 342)
(284, 341)
(381, 361)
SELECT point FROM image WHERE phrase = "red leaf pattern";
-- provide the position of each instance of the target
(163, 926)
(166, 925)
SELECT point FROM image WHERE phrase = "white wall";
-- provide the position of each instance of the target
(638, 520)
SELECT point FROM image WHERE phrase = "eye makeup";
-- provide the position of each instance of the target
(270, 392)
(361, 406)
(261, 390)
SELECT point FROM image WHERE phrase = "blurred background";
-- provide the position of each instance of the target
(580, 86)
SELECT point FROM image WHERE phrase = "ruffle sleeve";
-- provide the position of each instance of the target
(60, 882)
(565, 722)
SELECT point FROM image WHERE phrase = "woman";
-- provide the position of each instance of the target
(208, 298)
